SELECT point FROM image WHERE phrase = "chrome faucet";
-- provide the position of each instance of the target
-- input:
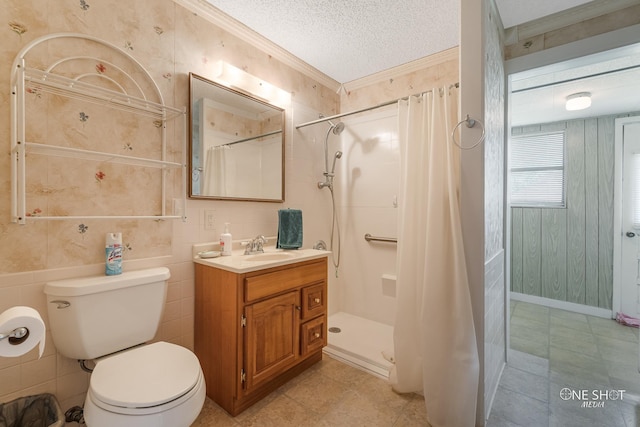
(255, 246)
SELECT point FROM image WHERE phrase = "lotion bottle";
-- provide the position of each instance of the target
(225, 241)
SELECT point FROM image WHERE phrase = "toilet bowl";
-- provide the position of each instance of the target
(155, 385)
(111, 319)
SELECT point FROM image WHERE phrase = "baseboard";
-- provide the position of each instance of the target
(563, 305)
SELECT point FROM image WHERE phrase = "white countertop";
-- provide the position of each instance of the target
(272, 257)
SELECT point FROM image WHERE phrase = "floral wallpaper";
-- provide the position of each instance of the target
(63, 186)
(169, 42)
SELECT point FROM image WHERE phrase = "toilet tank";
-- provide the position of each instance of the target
(90, 317)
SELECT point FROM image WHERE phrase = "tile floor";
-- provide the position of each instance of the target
(552, 350)
(328, 394)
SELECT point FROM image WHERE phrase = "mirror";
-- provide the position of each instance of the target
(236, 149)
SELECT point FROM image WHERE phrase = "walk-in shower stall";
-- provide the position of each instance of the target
(359, 181)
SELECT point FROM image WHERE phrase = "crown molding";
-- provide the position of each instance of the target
(214, 15)
(401, 70)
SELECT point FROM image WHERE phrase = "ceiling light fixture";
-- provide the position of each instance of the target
(235, 78)
(578, 101)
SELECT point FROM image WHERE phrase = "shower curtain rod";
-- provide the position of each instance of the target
(384, 104)
(250, 138)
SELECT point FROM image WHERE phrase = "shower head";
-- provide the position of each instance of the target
(337, 129)
(338, 154)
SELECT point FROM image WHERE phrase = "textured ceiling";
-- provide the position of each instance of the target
(351, 39)
(348, 40)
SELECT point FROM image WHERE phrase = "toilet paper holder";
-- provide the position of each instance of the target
(17, 336)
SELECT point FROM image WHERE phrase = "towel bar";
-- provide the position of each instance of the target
(369, 238)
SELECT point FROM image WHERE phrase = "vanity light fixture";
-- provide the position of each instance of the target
(578, 101)
(238, 79)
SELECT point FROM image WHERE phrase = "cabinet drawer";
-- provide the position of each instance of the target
(313, 301)
(313, 335)
(268, 284)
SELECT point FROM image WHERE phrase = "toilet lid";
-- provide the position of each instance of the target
(145, 376)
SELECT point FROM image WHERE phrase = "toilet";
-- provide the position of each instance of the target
(109, 319)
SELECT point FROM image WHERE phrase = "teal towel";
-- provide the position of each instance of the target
(289, 229)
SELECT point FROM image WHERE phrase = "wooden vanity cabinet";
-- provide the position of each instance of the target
(255, 331)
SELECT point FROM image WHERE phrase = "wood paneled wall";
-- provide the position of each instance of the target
(567, 254)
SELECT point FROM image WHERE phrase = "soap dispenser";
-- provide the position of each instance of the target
(225, 241)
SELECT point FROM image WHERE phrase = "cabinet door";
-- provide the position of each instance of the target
(271, 338)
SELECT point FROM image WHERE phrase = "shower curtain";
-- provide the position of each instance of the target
(214, 181)
(434, 337)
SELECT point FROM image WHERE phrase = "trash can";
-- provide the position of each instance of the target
(41, 410)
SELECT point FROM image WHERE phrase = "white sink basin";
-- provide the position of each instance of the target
(279, 256)
(240, 263)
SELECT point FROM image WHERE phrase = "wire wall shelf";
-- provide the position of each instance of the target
(110, 92)
(77, 89)
(78, 153)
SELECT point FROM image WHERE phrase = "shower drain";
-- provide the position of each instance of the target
(335, 330)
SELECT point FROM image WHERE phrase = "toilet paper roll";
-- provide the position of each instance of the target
(21, 317)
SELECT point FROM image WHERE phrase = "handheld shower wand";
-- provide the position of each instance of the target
(328, 176)
(328, 182)
(335, 157)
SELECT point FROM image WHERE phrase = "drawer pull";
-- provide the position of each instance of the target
(317, 335)
(298, 308)
(317, 300)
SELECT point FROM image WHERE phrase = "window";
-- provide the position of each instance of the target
(537, 170)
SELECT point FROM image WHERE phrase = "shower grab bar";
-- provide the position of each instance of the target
(369, 238)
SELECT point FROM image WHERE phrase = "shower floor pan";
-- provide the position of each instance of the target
(361, 343)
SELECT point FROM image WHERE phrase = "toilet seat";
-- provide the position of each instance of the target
(145, 380)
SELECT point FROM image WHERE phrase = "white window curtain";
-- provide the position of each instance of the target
(434, 336)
